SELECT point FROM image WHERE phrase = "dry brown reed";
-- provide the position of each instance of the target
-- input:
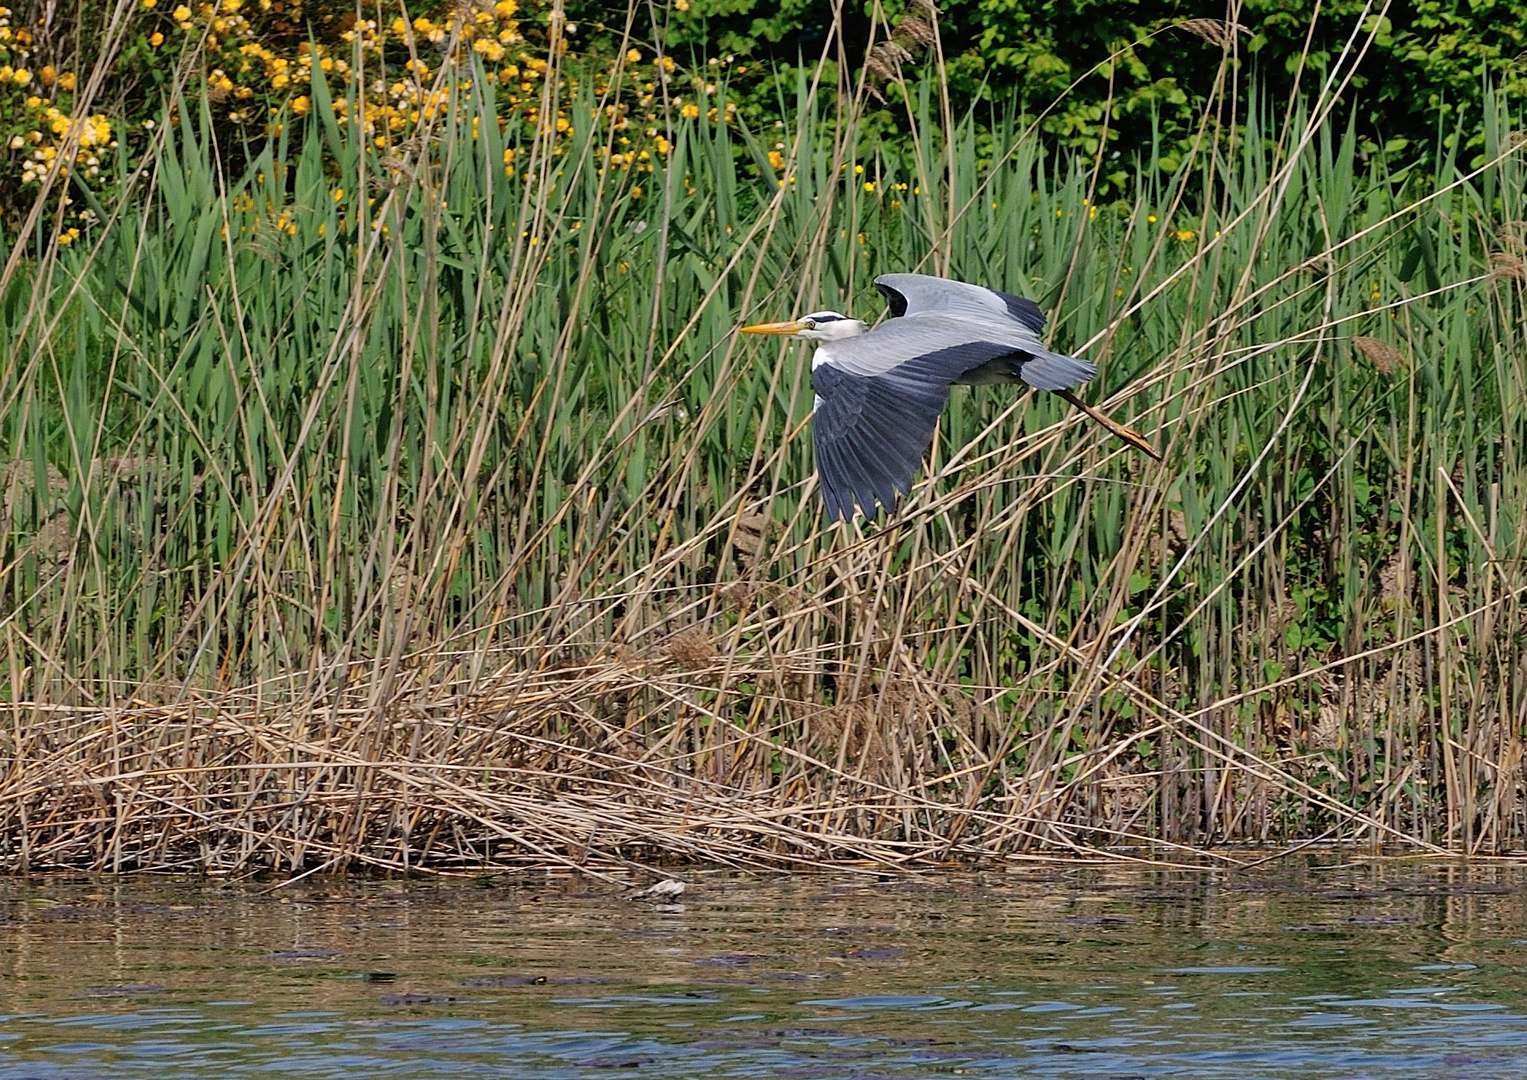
(689, 748)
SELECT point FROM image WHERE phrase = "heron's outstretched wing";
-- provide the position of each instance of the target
(944, 340)
(917, 294)
(872, 429)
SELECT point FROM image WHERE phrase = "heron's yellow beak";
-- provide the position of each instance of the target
(794, 326)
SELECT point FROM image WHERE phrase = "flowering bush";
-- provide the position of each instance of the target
(255, 63)
(38, 124)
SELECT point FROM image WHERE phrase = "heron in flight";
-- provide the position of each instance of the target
(879, 392)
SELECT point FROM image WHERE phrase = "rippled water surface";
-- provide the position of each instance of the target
(1302, 970)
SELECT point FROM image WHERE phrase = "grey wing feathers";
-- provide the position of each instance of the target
(870, 431)
(913, 294)
(944, 345)
(898, 342)
(932, 313)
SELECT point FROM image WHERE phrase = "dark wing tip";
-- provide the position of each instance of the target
(1025, 311)
(870, 435)
(896, 300)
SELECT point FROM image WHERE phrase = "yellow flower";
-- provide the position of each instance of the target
(681, 5)
(636, 192)
(301, 104)
(690, 112)
(69, 236)
(67, 80)
(505, 9)
(156, 39)
(633, 56)
(869, 185)
(21, 77)
(281, 81)
(182, 14)
(1186, 234)
(150, 5)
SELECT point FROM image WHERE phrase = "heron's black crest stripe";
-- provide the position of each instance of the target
(897, 301)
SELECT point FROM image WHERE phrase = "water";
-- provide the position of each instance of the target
(1305, 970)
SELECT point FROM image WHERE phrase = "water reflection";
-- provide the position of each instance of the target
(1308, 970)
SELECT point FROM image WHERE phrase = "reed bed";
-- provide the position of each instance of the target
(400, 509)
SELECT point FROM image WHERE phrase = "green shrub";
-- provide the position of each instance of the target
(1131, 80)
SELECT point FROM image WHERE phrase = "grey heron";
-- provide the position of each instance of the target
(879, 392)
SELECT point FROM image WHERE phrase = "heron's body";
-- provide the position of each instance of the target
(879, 392)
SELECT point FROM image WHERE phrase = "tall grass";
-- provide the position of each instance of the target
(406, 509)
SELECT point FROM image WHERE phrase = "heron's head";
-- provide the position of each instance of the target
(818, 326)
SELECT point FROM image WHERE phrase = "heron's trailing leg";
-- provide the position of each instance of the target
(1129, 435)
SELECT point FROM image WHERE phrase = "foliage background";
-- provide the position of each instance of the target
(1126, 83)
(1121, 76)
(384, 480)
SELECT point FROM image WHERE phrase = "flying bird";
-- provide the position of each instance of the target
(879, 392)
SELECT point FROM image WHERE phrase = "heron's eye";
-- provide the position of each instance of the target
(811, 324)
